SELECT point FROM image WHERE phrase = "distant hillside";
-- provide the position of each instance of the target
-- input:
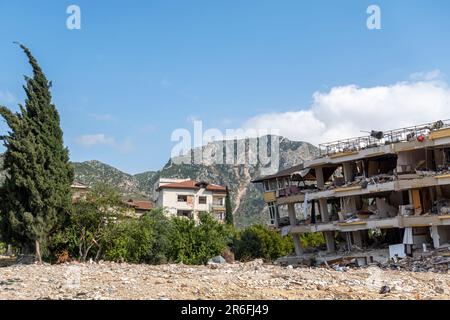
(246, 197)
(90, 172)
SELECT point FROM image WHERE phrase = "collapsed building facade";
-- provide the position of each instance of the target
(395, 183)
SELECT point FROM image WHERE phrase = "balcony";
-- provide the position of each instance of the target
(433, 130)
(217, 207)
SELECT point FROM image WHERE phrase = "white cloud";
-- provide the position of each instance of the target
(427, 75)
(344, 111)
(7, 97)
(99, 139)
(90, 140)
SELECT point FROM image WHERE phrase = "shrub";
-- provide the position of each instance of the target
(88, 223)
(196, 244)
(258, 241)
(312, 240)
(138, 240)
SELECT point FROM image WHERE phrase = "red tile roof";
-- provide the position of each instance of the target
(140, 205)
(191, 184)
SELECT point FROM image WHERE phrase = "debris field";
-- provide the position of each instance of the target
(251, 280)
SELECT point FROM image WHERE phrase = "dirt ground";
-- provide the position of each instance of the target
(252, 280)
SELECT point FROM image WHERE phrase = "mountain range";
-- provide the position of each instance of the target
(248, 206)
(246, 197)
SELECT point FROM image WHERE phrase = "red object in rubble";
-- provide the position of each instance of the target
(421, 138)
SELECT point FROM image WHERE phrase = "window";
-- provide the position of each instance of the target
(202, 200)
(272, 185)
(218, 201)
(280, 183)
(273, 211)
(184, 213)
(182, 198)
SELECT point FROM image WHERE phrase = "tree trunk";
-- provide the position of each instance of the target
(38, 251)
(97, 256)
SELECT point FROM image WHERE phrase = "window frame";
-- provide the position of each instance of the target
(201, 198)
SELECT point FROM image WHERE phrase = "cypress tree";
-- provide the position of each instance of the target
(36, 195)
(228, 209)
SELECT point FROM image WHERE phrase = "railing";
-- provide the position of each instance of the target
(217, 207)
(388, 137)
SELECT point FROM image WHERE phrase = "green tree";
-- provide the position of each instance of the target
(139, 240)
(196, 244)
(228, 209)
(258, 241)
(90, 223)
(36, 194)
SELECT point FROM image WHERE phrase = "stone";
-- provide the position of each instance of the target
(217, 259)
(385, 289)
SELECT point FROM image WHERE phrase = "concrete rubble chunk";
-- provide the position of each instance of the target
(217, 259)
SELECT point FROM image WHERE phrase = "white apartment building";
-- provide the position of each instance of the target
(189, 198)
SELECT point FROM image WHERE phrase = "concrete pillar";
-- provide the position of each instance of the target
(323, 207)
(295, 236)
(322, 202)
(291, 213)
(297, 244)
(329, 238)
(435, 236)
(319, 178)
(348, 171)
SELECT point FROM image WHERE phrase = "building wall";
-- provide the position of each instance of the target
(78, 193)
(168, 199)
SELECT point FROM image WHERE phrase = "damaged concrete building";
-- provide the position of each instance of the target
(392, 187)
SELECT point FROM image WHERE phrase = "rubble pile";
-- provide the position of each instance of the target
(437, 261)
(252, 280)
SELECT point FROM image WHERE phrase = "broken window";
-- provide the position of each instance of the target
(182, 198)
(184, 213)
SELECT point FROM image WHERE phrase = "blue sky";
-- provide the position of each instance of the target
(137, 70)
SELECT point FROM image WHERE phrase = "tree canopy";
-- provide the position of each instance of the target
(36, 194)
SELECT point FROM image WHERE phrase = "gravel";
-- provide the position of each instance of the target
(252, 280)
